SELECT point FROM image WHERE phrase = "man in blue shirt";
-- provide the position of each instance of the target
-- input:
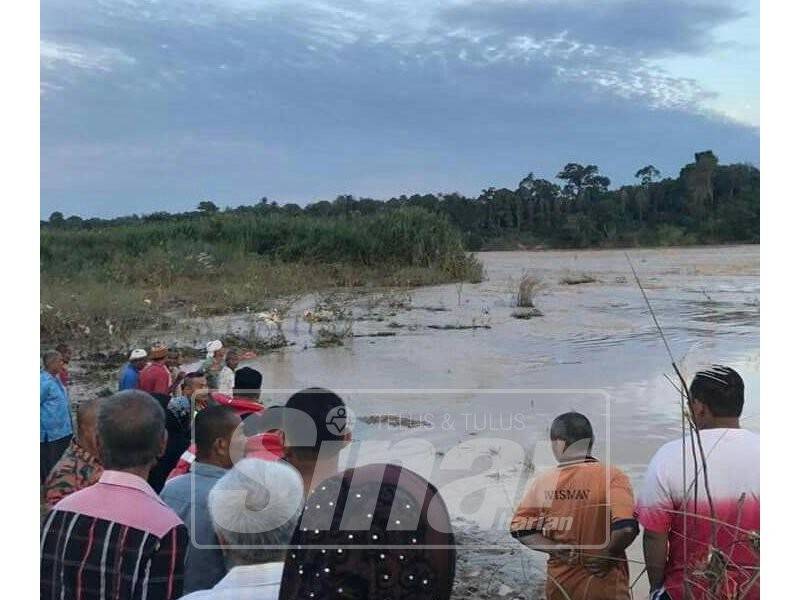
(129, 376)
(220, 441)
(55, 421)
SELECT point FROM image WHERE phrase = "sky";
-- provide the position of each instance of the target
(153, 105)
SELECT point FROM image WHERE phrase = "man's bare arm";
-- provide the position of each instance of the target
(614, 552)
(536, 541)
(655, 557)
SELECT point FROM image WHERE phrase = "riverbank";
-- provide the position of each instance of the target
(99, 286)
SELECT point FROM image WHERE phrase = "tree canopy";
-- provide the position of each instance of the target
(706, 203)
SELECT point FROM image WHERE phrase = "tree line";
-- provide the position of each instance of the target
(706, 203)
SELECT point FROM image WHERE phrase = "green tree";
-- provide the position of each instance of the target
(208, 207)
(699, 179)
(580, 178)
(648, 175)
(56, 218)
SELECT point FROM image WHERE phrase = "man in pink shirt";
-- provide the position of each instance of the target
(117, 538)
(156, 378)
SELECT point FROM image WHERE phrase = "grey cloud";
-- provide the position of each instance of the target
(306, 100)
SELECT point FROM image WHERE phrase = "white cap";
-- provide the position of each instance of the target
(212, 347)
(137, 354)
(257, 503)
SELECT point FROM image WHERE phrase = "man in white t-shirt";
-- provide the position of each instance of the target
(701, 538)
(227, 375)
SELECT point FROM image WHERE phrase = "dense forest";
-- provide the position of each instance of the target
(706, 203)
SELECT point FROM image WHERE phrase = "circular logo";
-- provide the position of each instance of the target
(339, 421)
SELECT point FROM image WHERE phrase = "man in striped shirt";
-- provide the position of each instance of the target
(117, 539)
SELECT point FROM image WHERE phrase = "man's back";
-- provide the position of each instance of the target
(187, 495)
(76, 469)
(115, 539)
(577, 504)
(129, 377)
(155, 378)
(732, 457)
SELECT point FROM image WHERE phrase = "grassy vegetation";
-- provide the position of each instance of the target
(105, 282)
(528, 287)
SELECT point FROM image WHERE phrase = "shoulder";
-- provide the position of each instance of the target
(745, 436)
(165, 521)
(618, 476)
(669, 453)
(75, 501)
(176, 486)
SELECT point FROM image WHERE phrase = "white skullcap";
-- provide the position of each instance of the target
(137, 354)
(212, 347)
(257, 502)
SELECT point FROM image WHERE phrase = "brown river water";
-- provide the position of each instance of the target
(482, 396)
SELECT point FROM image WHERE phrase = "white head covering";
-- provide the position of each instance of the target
(212, 347)
(257, 503)
(137, 354)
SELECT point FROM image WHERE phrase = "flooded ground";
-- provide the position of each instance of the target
(483, 398)
(445, 380)
(595, 348)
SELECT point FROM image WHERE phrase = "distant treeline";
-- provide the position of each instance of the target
(706, 203)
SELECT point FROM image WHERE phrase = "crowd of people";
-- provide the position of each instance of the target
(184, 484)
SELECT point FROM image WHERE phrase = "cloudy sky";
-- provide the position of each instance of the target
(155, 105)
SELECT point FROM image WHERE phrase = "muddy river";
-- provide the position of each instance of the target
(449, 383)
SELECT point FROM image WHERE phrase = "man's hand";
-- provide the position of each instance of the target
(568, 555)
(556, 550)
(600, 564)
(614, 552)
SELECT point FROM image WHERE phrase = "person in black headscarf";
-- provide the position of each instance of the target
(178, 440)
(377, 531)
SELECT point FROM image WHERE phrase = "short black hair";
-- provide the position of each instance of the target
(572, 427)
(317, 403)
(247, 384)
(721, 389)
(190, 376)
(212, 423)
(49, 355)
(130, 425)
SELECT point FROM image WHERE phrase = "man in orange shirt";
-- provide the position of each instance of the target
(581, 514)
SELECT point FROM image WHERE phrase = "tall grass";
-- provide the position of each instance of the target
(528, 287)
(408, 237)
(110, 279)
